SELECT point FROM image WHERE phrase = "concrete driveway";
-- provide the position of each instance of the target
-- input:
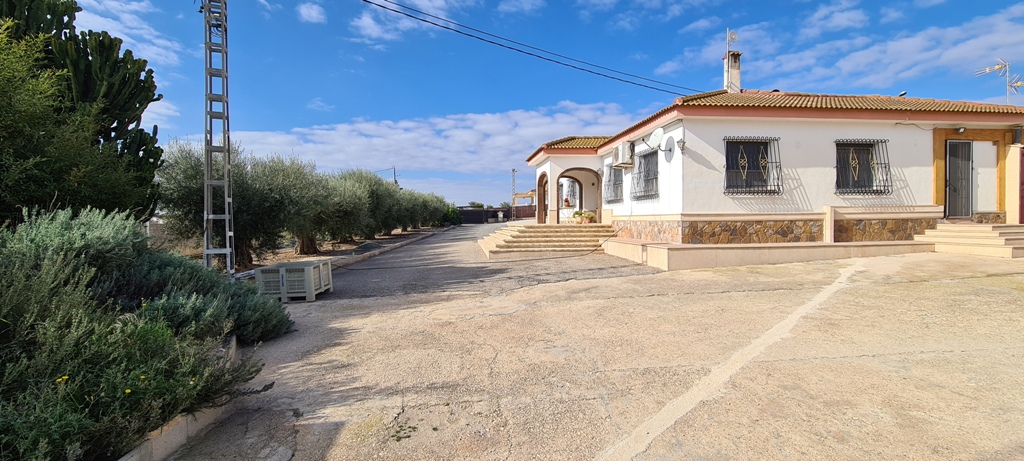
(431, 352)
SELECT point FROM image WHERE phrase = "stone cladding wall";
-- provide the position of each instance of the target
(653, 231)
(880, 230)
(996, 217)
(721, 232)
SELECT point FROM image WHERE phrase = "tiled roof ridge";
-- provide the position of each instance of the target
(778, 93)
(556, 143)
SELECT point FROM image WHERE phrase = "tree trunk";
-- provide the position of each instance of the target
(306, 245)
(243, 258)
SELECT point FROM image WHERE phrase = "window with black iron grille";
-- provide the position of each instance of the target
(862, 167)
(645, 175)
(612, 184)
(752, 166)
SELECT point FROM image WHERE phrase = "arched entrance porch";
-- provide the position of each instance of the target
(579, 189)
(542, 198)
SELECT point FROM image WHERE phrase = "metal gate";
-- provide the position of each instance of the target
(959, 168)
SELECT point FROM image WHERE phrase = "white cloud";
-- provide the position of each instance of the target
(124, 20)
(375, 25)
(267, 9)
(867, 63)
(520, 6)
(702, 24)
(890, 15)
(761, 39)
(597, 5)
(834, 17)
(475, 143)
(625, 21)
(319, 104)
(160, 113)
(312, 13)
(482, 147)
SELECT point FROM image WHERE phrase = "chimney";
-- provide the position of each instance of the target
(732, 71)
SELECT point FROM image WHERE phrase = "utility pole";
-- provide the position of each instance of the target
(513, 211)
(218, 215)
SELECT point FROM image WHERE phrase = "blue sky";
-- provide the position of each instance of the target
(350, 85)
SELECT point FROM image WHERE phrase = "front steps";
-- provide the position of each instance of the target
(999, 240)
(538, 240)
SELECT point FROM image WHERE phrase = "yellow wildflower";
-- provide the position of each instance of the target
(142, 376)
(62, 379)
(127, 391)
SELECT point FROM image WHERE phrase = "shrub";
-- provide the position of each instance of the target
(87, 371)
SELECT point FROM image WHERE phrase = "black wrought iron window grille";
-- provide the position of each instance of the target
(612, 185)
(752, 166)
(645, 175)
(862, 167)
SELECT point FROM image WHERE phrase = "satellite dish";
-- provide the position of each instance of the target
(670, 147)
(655, 139)
(733, 36)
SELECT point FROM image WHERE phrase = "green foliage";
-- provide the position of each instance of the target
(451, 217)
(384, 203)
(275, 194)
(87, 371)
(349, 211)
(476, 205)
(89, 148)
(297, 193)
(47, 17)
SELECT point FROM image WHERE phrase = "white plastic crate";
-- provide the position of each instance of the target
(296, 279)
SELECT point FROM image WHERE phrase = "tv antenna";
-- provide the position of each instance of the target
(1013, 82)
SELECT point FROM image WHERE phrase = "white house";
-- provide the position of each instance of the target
(747, 166)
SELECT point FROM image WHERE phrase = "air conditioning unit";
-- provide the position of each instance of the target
(623, 156)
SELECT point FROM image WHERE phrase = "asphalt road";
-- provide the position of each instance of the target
(430, 352)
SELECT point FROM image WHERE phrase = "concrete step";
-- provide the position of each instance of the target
(594, 240)
(999, 229)
(551, 246)
(539, 253)
(567, 234)
(981, 250)
(971, 239)
(974, 234)
(564, 226)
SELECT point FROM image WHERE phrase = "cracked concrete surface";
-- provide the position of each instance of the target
(903, 357)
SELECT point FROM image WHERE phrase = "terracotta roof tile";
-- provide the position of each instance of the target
(789, 100)
(576, 142)
(774, 99)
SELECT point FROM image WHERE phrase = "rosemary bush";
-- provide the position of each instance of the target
(87, 366)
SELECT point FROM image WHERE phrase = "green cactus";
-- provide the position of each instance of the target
(48, 17)
(112, 87)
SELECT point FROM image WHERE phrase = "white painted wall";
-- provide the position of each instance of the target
(555, 165)
(670, 178)
(808, 156)
(984, 177)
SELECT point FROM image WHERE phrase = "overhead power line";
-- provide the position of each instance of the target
(542, 50)
(528, 53)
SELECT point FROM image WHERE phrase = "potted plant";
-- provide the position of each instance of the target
(589, 217)
(578, 216)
